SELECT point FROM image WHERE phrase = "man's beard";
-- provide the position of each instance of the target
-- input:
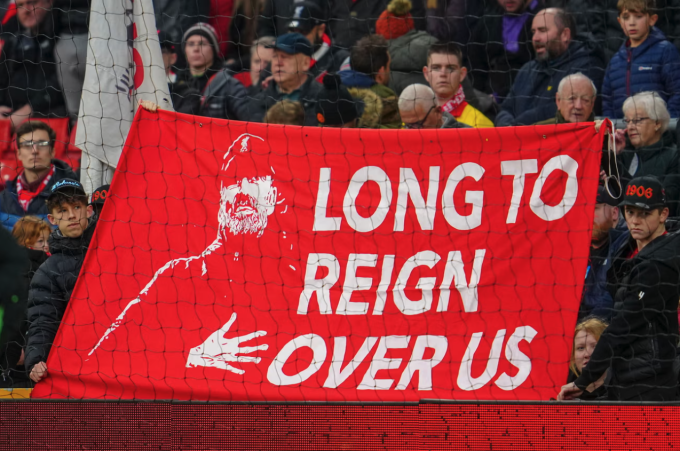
(254, 222)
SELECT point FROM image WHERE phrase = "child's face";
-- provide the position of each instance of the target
(636, 25)
(71, 219)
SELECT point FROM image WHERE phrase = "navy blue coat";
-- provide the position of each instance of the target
(653, 66)
(597, 300)
(532, 97)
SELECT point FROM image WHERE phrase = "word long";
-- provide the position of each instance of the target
(426, 206)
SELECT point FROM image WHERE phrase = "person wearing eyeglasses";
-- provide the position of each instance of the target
(418, 109)
(649, 148)
(26, 195)
(575, 100)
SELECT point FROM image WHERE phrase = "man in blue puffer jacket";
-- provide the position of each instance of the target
(647, 61)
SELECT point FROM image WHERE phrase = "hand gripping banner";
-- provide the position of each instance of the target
(251, 262)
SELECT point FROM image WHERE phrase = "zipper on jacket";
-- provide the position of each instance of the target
(652, 336)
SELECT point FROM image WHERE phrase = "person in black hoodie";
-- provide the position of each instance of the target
(55, 280)
(32, 234)
(639, 346)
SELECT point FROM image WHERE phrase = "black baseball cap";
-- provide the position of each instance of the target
(292, 44)
(644, 192)
(165, 41)
(603, 197)
(99, 195)
(306, 16)
(70, 186)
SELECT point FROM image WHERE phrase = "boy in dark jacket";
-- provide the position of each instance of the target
(639, 346)
(53, 283)
(647, 61)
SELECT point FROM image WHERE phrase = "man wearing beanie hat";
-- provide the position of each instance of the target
(205, 88)
(309, 20)
(336, 107)
(201, 51)
(291, 80)
(407, 46)
(638, 349)
(606, 242)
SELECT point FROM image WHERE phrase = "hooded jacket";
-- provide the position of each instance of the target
(532, 97)
(372, 107)
(390, 117)
(652, 66)
(308, 94)
(408, 55)
(51, 289)
(640, 344)
(10, 208)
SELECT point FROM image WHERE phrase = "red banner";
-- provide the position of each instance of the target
(239, 261)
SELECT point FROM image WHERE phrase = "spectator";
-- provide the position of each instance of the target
(71, 21)
(645, 62)
(261, 54)
(53, 283)
(98, 199)
(373, 106)
(501, 44)
(336, 106)
(13, 261)
(586, 336)
(221, 13)
(454, 20)
(418, 108)
(611, 33)
(26, 194)
(557, 55)
(370, 62)
(185, 99)
(285, 112)
(639, 346)
(445, 73)
(575, 100)
(606, 242)
(31, 233)
(650, 149)
(176, 17)
(351, 21)
(406, 45)
(309, 20)
(204, 62)
(277, 14)
(28, 74)
(291, 81)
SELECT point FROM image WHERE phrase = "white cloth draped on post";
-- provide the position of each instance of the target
(124, 65)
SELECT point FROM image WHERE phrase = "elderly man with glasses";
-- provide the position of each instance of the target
(26, 195)
(418, 109)
(575, 100)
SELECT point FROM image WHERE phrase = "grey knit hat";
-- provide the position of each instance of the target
(208, 32)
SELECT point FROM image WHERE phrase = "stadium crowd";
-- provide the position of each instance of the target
(382, 64)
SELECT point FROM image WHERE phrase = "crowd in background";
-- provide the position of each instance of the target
(385, 64)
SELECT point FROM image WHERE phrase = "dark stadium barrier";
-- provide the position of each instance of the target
(30, 425)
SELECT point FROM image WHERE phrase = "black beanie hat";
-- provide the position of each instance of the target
(335, 105)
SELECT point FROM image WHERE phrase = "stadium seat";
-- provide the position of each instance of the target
(8, 157)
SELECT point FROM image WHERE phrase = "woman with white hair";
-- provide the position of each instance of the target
(649, 149)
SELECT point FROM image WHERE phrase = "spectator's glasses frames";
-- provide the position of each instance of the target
(419, 124)
(41, 145)
(635, 122)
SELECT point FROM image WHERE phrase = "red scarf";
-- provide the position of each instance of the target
(457, 104)
(24, 193)
(325, 47)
